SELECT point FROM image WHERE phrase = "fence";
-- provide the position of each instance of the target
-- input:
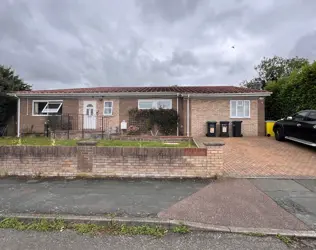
(79, 126)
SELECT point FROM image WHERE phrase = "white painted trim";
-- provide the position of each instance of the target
(239, 117)
(149, 94)
(177, 114)
(188, 116)
(27, 106)
(19, 118)
(43, 101)
(111, 108)
(154, 100)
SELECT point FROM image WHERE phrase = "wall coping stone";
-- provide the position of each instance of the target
(213, 144)
(87, 143)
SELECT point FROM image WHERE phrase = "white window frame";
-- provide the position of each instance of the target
(107, 108)
(48, 111)
(155, 102)
(236, 107)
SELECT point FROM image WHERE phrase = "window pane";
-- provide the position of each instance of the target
(247, 108)
(108, 111)
(36, 109)
(107, 104)
(312, 116)
(300, 116)
(240, 111)
(52, 105)
(233, 107)
(41, 106)
(145, 104)
(165, 104)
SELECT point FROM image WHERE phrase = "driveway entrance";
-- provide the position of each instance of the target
(266, 157)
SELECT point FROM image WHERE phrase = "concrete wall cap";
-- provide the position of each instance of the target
(212, 144)
(87, 143)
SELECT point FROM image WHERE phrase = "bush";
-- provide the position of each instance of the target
(166, 120)
(292, 94)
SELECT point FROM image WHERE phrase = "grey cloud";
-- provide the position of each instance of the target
(305, 47)
(168, 10)
(55, 43)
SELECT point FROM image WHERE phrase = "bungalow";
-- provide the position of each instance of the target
(195, 106)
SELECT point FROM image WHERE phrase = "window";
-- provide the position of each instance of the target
(300, 116)
(240, 109)
(108, 108)
(45, 108)
(155, 104)
(312, 116)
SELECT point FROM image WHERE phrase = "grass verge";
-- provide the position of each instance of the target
(44, 141)
(112, 227)
(286, 240)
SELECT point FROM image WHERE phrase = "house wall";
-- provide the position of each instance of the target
(109, 122)
(202, 111)
(36, 123)
(127, 104)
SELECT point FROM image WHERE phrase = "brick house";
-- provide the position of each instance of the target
(195, 106)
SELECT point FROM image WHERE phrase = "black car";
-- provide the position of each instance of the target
(300, 127)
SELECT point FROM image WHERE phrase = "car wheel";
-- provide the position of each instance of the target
(279, 134)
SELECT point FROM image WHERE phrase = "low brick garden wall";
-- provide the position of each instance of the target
(77, 135)
(88, 160)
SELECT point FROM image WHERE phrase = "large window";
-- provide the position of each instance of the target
(240, 109)
(108, 108)
(46, 108)
(155, 104)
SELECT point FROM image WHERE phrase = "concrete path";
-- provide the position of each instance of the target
(297, 197)
(137, 198)
(233, 202)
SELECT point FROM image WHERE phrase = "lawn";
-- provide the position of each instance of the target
(43, 141)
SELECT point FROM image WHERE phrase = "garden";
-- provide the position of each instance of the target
(44, 141)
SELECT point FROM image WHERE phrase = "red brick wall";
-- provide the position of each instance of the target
(70, 106)
(218, 110)
(111, 161)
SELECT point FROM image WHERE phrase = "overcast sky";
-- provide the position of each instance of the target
(79, 43)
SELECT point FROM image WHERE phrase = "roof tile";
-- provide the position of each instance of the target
(175, 89)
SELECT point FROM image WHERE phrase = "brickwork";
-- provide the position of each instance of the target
(218, 110)
(111, 161)
(36, 123)
(112, 121)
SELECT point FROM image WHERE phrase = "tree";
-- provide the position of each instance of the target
(292, 93)
(9, 82)
(272, 69)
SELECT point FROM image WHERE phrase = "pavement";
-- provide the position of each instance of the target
(30, 240)
(252, 157)
(298, 197)
(136, 198)
(234, 202)
(229, 205)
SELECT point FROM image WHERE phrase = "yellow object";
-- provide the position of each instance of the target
(269, 128)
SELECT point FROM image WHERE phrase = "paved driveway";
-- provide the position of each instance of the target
(266, 157)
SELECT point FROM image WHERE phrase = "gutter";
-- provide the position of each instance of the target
(119, 94)
(258, 94)
(143, 94)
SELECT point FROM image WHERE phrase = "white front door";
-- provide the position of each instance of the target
(89, 114)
